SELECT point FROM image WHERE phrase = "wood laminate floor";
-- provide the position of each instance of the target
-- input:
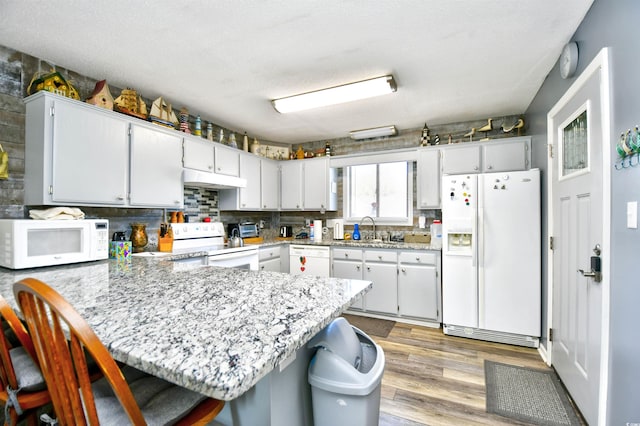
(434, 379)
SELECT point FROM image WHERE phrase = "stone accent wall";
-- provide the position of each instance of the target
(16, 71)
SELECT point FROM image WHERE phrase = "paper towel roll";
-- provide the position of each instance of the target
(317, 234)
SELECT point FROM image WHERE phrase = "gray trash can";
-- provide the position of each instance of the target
(345, 376)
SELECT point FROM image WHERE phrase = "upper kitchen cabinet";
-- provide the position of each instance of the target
(198, 154)
(428, 178)
(269, 184)
(75, 153)
(308, 185)
(156, 168)
(79, 154)
(291, 185)
(485, 157)
(227, 160)
(261, 192)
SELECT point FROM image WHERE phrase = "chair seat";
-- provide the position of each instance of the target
(27, 372)
(161, 402)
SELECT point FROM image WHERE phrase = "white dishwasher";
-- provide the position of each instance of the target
(309, 260)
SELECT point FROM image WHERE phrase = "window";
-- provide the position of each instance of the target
(383, 191)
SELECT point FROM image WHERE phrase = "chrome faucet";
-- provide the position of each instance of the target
(373, 222)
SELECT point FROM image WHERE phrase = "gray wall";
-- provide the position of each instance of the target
(615, 24)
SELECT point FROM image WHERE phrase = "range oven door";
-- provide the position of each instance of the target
(239, 259)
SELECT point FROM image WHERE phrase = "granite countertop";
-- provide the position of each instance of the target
(214, 330)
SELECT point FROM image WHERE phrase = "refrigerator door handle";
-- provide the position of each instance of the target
(474, 240)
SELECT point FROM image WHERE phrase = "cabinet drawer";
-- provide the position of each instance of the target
(380, 256)
(269, 253)
(350, 254)
(418, 257)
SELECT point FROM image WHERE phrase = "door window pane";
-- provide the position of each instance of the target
(575, 149)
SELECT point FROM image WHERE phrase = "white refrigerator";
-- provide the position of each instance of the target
(491, 256)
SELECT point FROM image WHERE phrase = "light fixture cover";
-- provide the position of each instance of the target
(336, 95)
(376, 132)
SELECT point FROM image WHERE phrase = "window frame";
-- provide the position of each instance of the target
(389, 221)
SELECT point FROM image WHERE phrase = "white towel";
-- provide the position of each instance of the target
(56, 213)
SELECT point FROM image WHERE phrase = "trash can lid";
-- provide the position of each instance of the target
(339, 338)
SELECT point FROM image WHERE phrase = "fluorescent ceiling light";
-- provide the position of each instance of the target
(374, 133)
(336, 95)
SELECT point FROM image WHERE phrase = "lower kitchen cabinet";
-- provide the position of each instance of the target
(418, 285)
(347, 263)
(269, 259)
(406, 283)
(381, 267)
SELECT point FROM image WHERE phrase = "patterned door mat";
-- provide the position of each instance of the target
(528, 395)
(371, 326)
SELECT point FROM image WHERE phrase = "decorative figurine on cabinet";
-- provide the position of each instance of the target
(518, 125)
(183, 117)
(130, 103)
(101, 96)
(486, 128)
(425, 139)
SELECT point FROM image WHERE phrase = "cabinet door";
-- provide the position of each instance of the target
(269, 174)
(250, 170)
(428, 191)
(198, 154)
(460, 159)
(315, 184)
(418, 292)
(350, 270)
(291, 185)
(156, 168)
(383, 297)
(270, 265)
(506, 156)
(227, 160)
(90, 152)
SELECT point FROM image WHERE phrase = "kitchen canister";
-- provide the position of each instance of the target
(317, 226)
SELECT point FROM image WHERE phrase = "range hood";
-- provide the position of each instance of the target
(200, 179)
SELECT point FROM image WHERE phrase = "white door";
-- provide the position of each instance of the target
(577, 128)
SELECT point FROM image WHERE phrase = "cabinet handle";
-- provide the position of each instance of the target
(264, 206)
(475, 167)
(417, 258)
(120, 198)
(489, 167)
(368, 268)
(379, 257)
(346, 255)
(357, 267)
(262, 267)
(403, 270)
(210, 167)
(176, 202)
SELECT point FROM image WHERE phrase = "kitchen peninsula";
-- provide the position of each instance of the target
(227, 333)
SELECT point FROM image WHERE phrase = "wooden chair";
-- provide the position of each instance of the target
(23, 387)
(112, 399)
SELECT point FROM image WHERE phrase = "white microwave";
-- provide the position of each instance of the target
(28, 243)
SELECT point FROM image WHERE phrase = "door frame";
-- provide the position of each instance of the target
(600, 62)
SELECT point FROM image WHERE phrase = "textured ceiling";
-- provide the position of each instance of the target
(453, 60)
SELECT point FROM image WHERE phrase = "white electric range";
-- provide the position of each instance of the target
(209, 237)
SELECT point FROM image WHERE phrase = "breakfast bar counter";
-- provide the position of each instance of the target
(217, 331)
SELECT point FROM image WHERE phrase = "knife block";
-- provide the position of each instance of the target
(165, 243)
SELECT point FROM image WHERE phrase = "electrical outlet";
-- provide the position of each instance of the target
(262, 224)
(307, 222)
